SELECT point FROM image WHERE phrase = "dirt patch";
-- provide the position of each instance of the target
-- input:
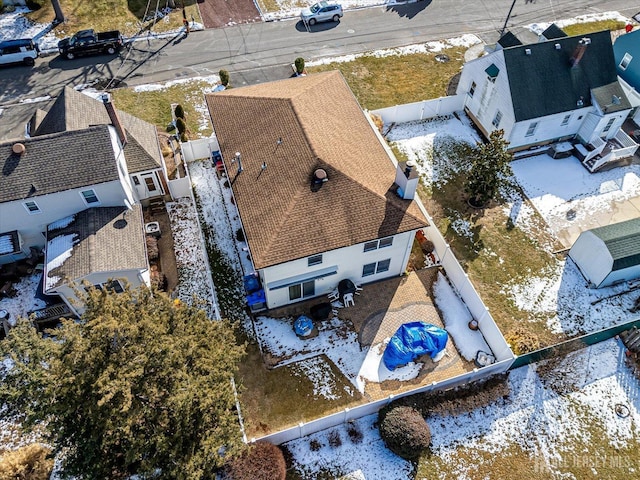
(219, 13)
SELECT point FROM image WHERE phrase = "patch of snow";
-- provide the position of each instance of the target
(62, 223)
(59, 249)
(24, 301)
(456, 318)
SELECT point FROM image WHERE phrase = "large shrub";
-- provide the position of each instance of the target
(181, 125)
(263, 461)
(404, 431)
(224, 77)
(179, 111)
(299, 63)
(27, 463)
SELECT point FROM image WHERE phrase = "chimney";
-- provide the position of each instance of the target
(113, 116)
(579, 51)
(407, 180)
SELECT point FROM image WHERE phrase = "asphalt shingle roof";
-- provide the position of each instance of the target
(109, 239)
(544, 82)
(86, 159)
(553, 32)
(321, 126)
(74, 110)
(623, 242)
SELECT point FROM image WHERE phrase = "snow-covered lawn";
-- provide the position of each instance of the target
(567, 415)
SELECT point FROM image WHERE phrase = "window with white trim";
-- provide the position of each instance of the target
(315, 260)
(565, 120)
(626, 60)
(112, 285)
(376, 244)
(375, 268)
(496, 119)
(89, 197)
(472, 90)
(532, 129)
(609, 125)
(32, 207)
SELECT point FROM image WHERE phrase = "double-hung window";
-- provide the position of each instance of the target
(376, 267)
(532, 129)
(497, 118)
(90, 197)
(32, 207)
(376, 244)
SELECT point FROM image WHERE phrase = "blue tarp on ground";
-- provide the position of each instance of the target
(303, 326)
(413, 340)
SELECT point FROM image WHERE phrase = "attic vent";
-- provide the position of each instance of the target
(527, 51)
(18, 148)
(558, 46)
(320, 176)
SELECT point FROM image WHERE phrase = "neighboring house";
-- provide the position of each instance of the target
(561, 88)
(319, 194)
(627, 54)
(610, 254)
(81, 153)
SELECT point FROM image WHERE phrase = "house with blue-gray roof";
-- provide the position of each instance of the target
(627, 54)
(559, 90)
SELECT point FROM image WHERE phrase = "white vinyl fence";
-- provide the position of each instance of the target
(200, 148)
(410, 112)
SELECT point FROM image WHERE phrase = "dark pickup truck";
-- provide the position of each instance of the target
(88, 42)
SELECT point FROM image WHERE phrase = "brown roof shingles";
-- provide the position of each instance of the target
(108, 239)
(321, 126)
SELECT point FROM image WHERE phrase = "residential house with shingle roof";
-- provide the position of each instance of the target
(82, 153)
(627, 55)
(102, 247)
(320, 196)
(610, 254)
(558, 89)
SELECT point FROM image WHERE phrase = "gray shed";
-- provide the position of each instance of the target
(610, 254)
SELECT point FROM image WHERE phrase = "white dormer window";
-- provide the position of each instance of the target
(626, 60)
(32, 207)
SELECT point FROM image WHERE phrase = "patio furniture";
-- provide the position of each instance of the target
(333, 295)
(348, 300)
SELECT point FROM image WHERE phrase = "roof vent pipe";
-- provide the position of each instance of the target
(320, 176)
(527, 51)
(238, 159)
(558, 46)
(18, 148)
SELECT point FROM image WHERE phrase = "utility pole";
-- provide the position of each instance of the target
(58, 10)
(504, 27)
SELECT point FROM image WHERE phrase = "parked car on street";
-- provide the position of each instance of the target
(21, 50)
(321, 12)
(88, 42)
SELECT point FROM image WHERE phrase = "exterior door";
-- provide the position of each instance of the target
(151, 184)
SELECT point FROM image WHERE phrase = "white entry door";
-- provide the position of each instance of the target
(151, 184)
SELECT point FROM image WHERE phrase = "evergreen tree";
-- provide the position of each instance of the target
(141, 384)
(490, 165)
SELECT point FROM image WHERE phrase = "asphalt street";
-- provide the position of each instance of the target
(261, 52)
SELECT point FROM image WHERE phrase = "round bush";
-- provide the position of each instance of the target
(263, 461)
(299, 63)
(181, 125)
(404, 431)
(224, 77)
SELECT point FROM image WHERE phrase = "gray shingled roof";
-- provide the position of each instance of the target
(611, 98)
(509, 40)
(107, 239)
(74, 110)
(623, 242)
(544, 82)
(321, 126)
(57, 162)
(553, 32)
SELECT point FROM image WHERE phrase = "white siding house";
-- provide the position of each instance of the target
(319, 196)
(610, 254)
(102, 247)
(558, 89)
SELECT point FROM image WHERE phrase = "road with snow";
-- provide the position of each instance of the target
(261, 52)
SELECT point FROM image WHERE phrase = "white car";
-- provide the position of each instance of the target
(22, 50)
(321, 12)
